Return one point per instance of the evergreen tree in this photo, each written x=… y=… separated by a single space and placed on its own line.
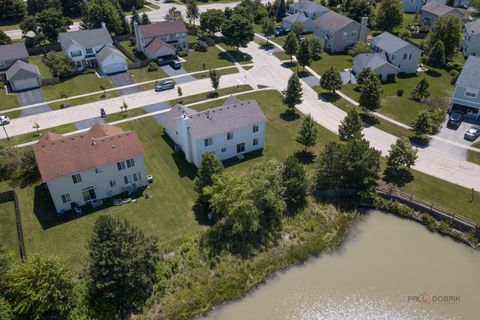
x=135 y=17
x=389 y=15
x=295 y=182
x=145 y=19
x=370 y=93
x=401 y=154
x=436 y=56
x=268 y=27
x=281 y=11
x=192 y=10
x=366 y=73
x=214 y=79
x=422 y=123
x=4 y=39
x=304 y=55
x=351 y=126
x=420 y=92
x=331 y=80
x=293 y=94
x=209 y=166
x=290 y=46
x=125 y=24
x=237 y=31
x=308 y=132
x=448 y=29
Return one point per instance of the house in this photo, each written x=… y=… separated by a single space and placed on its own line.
x=161 y=39
x=466 y=95
x=232 y=130
x=11 y=53
x=413 y=6
x=435 y=9
x=307 y=23
x=400 y=53
x=87 y=167
x=84 y=48
x=471 y=39
x=376 y=62
x=309 y=9
x=339 y=33
x=23 y=76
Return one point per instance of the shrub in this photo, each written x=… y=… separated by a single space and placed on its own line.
x=152 y=67
x=200 y=46
x=400 y=92
x=424 y=29
x=429 y=222
x=182 y=53
x=454 y=66
x=454 y=73
x=443 y=227
x=391 y=78
x=454 y=79
x=59 y=65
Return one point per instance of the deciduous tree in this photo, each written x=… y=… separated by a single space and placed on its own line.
x=436 y=56
x=290 y=46
x=12 y=9
x=389 y=15
x=331 y=80
x=401 y=154
x=358 y=9
x=297 y=28
x=145 y=19
x=192 y=11
x=295 y=183
x=268 y=27
x=351 y=126
x=304 y=55
x=211 y=21
x=316 y=47
x=238 y=31
x=449 y=30
x=308 y=132
x=4 y=39
x=51 y=22
x=422 y=123
x=209 y=166
x=293 y=94
x=173 y=14
x=370 y=93
x=215 y=79
x=420 y=91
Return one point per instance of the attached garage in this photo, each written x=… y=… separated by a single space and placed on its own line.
x=23 y=76
x=110 y=60
x=157 y=48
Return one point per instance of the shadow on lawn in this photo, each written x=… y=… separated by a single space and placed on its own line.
x=234 y=56
x=289 y=115
x=305 y=156
x=328 y=96
x=399 y=177
x=185 y=169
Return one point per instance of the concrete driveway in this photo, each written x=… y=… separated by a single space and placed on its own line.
x=157 y=107
x=172 y=72
x=456 y=135
x=31 y=97
x=124 y=79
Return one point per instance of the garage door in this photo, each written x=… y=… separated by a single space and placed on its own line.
x=25 y=84
x=115 y=67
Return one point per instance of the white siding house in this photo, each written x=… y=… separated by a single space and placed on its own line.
x=467 y=88
x=161 y=39
x=471 y=39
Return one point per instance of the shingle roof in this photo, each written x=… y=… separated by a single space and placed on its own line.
x=309 y=6
x=106 y=52
x=469 y=77
x=370 y=60
x=390 y=43
x=473 y=27
x=86 y=38
x=162 y=28
x=156 y=44
x=21 y=70
x=296 y=17
x=13 y=51
x=439 y=9
x=168 y=119
x=333 y=21
x=58 y=156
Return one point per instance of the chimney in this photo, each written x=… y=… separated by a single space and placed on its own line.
x=104 y=26
x=93 y=141
x=362 y=35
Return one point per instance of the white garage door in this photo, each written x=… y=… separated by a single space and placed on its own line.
x=25 y=84
x=115 y=67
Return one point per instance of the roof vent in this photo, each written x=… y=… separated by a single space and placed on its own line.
x=93 y=141
x=113 y=146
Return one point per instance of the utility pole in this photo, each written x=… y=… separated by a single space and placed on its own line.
x=3 y=125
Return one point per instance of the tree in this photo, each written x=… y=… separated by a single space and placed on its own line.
x=5 y=309
x=295 y=183
x=401 y=154
x=250 y=10
x=51 y=22
x=36 y=6
x=121 y=267
x=297 y=28
x=209 y=166
x=316 y=47
x=42 y=287
x=422 y=123
x=449 y=30
x=359 y=47
x=36 y=126
x=331 y=80
x=268 y=27
x=125 y=24
x=125 y=106
x=179 y=91
x=98 y=11
x=27 y=170
x=308 y=132
x=293 y=94
x=134 y=18
x=211 y=21
x=290 y=46
x=4 y=39
x=145 y=19
x=72 y=7
x=370 y=93
x=281 y=11
x=59 y=65
x=238 y=31
x=358 y=9
x=389 y=15
x=420 y=91
x=304 y=55
x=173 y=14
x=366 y=73
x=351 y=126
x=192 y=10
x=12 y=9
x=214 y=79
x=436 y=56
x=9 y=162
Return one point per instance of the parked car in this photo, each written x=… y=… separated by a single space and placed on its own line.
x=472 y=134
x=455 y=120
x=4 y=120
x=281 y=31
x=175 y=64
x=165 y=85
x=163 y=61
x=103 y=114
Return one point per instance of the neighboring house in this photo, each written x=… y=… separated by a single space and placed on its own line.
x=471 y=39
x=84 y=48
x=467 y=87
x=434 y=9
x=23 y=76
x=161 y=39
x=376 y=62
x=400 y=53
x=413 y=6
x=339 y=33
x=309 y=9
x=235 y=128
x=88 y=167
x=11 y=53
x=307 y=23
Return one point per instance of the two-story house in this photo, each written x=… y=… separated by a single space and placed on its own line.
x=339 y=33
x=471 y=39
x=467 y=88
x=161 y=39
x=413 y=6
x=15 y=68
x=310 y=9
x=88 y=167
x=232 y=130
x=92 y=48
x=434 y=9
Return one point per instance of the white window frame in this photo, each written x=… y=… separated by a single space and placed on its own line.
x=354 y=34
x=98 y=170
x=130 y=163
x=76 y=178
x=256 y=141
x=66 y=198
x=255 y=128
x=207 y=142
x=471 y=93
x=77 y=53
x=89 y=51
x=121 y=165
x=230 y=135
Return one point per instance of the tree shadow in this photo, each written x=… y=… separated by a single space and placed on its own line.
x=234 y=56
x=420 y=141
x=212 y=95
x=399 y=177
x=185 y=169
x=369 y=119
x=303 y=74
x=201 y=214
x=266 y=46
x=305 y=156
x=288 y=65
x=246 y=156
x=289 y=115
x=328 y=96
x=433 y=73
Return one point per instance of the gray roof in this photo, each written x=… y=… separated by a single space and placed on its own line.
x=308 y=6
x=296 y=17
x=473 y=27
x=21 y=70
x=86 y=38
x=168 y=119
x=371 y=60
x=469 y=77
x=106 y=52
x=439 y=9
x=13 y=52
x=390 y=43
x=333 y=21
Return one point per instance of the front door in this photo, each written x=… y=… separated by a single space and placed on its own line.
x=89 y=194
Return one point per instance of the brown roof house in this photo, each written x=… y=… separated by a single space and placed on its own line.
x=161 y=39
x=87 y=167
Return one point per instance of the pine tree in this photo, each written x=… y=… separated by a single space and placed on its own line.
x=293 y=94
x=370 y=93
x=145 y=19
x=281 y=11
x=304 y=55
x=420 y=91
x=436 y=57
x=209 y=166
x=290 y=46
x=308 y=132
x=351 y=126
x=331 y=80
x=422 y=124
x=295 y=182
x=134 y=18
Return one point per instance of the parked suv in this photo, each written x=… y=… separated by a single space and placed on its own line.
x=175 y=64
x=472 y=134
x=455 y=120
x=165 y=85
x=4 y=120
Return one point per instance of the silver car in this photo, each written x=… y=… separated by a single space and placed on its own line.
x=4 y=120
x=472 y=134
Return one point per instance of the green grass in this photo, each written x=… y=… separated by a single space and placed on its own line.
x=32 y=136
x=234 y=55
x=9 y=101
x=8 y=227
x=281 y=55
x=473 y=156
x=213 y=58
x=11 y=24
x=142 y=75
x=209 y=95
x=222 y=72
x=280 y=40
x=83 y=83
x=87 y=99
x=44 y=71
x=340 y=61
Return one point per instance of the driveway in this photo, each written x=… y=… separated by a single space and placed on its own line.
x=32 y=97
x=124 y=79
x=88 y=123
x=172 y=72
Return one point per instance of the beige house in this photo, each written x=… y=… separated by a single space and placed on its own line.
x=161 y=39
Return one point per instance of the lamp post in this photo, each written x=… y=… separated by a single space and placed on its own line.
x=3 y=125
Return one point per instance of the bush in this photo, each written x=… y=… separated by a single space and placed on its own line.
x=400 y=92
x=443 y=227
x=429 y=222
x=424 y=29
x=391 y=78
x=152 y=67
x=392 y=206
x=200 y=46
x=454 y=79
x=454 y=66
x=182 y=53
x=454 y=73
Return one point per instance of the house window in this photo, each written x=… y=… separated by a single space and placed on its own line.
x=229 y=135
x=345 y=35
x=410 y=56
x=240 y=147
x=224 y=149
x=394 y=56
x=121 y=165
x=89 y=50
x=354 y=34
x=469 y=92
x=98 y=170
x=89 y=194
x=113 y=183
x=77 y=53
x=255 y=141
x=137 y=176
x=405 y=56
x=255 y=128
x=2 y=64
x=208 y=142
x=77 y=178
x=127 y=179
x=66 y=198
x=130 y=163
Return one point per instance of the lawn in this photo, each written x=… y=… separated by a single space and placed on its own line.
x=87 y=99
x=473 y=156
x=8 y=101
x=128 y=45
x=32 y=136
x=213 y=58
x=11 y=24
x=339 y=61
x=209 y=95
x=8 y=225
x=222 y=72
x=280 y=40
x=142 y=75
x=44 y=71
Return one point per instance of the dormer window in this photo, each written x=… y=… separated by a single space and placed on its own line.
x=89 y=50
x=470 y=92
x=77 y=53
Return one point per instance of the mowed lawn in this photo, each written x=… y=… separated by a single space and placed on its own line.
x=8 y=101
x=8 y=226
